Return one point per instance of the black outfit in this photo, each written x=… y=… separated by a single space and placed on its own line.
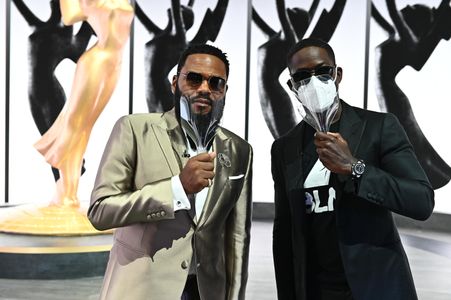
x=191 y=291
x=374 y=262
x=326 y=278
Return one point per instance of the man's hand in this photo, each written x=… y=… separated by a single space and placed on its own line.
x=198 y=172
x=334 y=153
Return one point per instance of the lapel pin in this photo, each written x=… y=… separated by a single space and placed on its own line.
x=224 y=160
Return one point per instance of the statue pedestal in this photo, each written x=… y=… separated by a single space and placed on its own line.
x=50 y=243
x=46 y=220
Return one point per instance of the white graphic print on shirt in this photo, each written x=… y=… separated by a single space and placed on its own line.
x=319 y=196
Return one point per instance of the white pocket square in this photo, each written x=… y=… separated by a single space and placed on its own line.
x=236 y=177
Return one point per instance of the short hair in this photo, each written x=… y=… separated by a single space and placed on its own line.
x=203 y=49
x=310 y=42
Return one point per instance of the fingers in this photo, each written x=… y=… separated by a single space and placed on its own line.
x=333 y=151
x=207 y=166
x=336 y=137
x=327 y=139
x=212 y=155
x=198 y=173
x=323 y=139
x=205 y=156
x=202 y=161
x=204 y=174
x=201 y=170
x=329 y=136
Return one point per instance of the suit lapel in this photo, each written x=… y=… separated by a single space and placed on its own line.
x=169 y=137
x=174 y=140
x=177 y=142
x=221 y=144
x=351 y=127
x=178 y=145
x=294 y=157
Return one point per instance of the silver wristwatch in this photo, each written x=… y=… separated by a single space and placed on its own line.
x=357 y=168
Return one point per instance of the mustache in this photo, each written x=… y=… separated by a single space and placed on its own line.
x=202 y=99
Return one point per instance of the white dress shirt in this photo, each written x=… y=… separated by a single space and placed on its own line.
x=181 y=200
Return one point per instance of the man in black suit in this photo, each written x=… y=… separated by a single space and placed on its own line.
x=334 y=235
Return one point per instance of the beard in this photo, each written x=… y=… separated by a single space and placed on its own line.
x=205 y=122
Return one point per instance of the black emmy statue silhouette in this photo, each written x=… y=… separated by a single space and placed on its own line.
x=163 y=50
x=50 y=43
x=415 y=33
x=276 y=104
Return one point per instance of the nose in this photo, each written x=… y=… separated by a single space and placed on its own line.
x=204 y=87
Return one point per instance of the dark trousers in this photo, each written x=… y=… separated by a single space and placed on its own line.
x=191 y=292
x=330 y=295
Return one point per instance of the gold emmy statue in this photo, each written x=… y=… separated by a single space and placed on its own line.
x=64 y=144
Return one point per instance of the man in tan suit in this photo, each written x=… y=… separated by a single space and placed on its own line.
x=183 y=219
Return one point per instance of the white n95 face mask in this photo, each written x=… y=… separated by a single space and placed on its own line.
x=201 y=126
x=319 y=98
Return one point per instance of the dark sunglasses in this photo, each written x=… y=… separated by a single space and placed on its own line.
x=215 y=83
x=327 y=72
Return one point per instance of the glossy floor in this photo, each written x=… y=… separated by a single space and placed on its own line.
x=429 y=254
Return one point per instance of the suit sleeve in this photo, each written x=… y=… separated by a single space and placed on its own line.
x=282 y=243
x=115 y=201
x=238 y=237
x=399 y=183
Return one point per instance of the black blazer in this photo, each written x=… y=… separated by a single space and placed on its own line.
x=374 y=260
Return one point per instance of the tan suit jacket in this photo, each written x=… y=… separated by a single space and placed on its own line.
x=153 y=246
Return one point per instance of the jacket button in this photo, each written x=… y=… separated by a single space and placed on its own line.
x=153 y=215
x=163 y=213
x=148 y=217
x=184 y=265
x=158 y=214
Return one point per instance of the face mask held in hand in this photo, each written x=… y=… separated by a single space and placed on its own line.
x=319 y=98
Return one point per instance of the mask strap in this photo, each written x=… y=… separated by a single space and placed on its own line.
x=336 y=74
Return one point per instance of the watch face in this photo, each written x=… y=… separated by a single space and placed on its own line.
x=359 y=168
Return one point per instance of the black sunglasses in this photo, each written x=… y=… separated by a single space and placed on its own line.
x=327 y=72
x=215 y=83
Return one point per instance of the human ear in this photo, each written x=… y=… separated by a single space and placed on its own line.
x=174 y=83
x=339 y=75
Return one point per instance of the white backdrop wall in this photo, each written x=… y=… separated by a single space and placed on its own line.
x=30 y=178
x=428 y=91
x=26 y=167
